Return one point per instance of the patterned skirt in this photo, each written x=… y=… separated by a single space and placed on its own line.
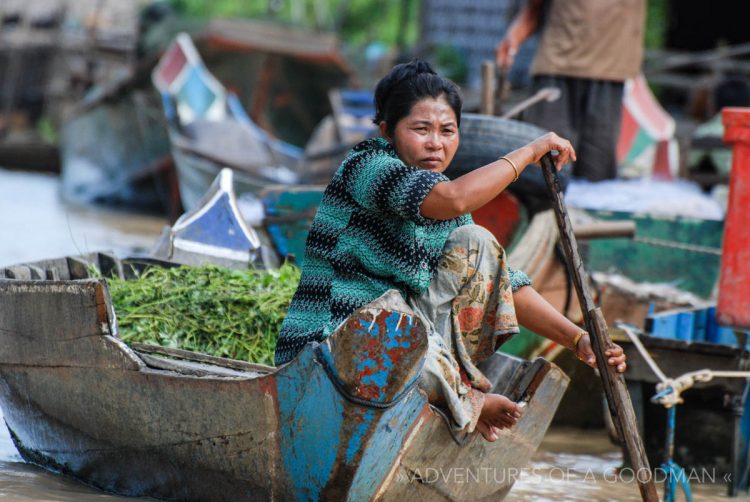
x=468 y=312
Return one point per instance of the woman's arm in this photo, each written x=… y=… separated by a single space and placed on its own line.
x=473 y=190
x=536 y=314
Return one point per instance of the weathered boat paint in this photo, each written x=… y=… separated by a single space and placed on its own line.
x=733 y=307
x=683 y=243
x=324 y=457
x=308 y=446
x=325 y=426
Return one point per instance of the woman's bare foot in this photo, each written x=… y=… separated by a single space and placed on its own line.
x=498 y=412
x=487 y=431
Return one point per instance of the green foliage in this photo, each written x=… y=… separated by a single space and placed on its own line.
x=46 y=129
x=358 y=22
x=220 y=8
x=451 y=63
x=656 y=23
x=209 y=309
x=367 y=20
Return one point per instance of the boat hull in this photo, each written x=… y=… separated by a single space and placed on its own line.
x=117 y=153
x=196 y=174
x=77 y=400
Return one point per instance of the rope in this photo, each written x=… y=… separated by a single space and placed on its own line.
x=669 y=389
x=642 y=350
x=678 y=245
x=320 y=359
x=668 y=395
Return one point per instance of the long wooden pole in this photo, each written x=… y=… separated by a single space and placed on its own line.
x=615 y=389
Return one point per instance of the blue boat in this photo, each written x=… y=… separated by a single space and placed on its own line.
x=209 y=129
x=343 y=421
x=214 y=231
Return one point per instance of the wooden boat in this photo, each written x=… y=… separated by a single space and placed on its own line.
x=215 y=231
x=209 y=130
x=114 y=148
x=177 y=425
x=281 y=73
x=209 y=127
x=665 y=250
x=712 y=432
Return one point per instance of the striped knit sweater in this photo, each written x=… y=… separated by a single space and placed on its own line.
x=366 y=238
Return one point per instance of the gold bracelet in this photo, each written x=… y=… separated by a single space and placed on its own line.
x=577 y=339
x=513 y=165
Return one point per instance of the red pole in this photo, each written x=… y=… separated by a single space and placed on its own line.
x=733 y=307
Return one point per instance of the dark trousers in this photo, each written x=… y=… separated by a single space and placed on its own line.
x=588 y=114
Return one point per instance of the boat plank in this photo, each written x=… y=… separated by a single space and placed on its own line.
x=435 y=467
x=61 y=324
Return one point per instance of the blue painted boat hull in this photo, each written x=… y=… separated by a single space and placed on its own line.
x=183 y=426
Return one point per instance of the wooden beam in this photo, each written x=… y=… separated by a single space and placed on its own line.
x=487 y=103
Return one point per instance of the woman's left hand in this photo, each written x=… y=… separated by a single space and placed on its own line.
x=615 y=355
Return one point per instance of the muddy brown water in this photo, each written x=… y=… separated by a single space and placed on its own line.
x=571 y=465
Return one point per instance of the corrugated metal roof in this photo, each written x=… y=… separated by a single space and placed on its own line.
x=474 y=27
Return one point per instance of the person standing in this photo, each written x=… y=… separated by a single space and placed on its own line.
x=587 y=49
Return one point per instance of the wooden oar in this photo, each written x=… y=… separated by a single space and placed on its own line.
x=615 y=389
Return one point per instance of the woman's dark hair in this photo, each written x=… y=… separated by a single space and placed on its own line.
x=405 y=85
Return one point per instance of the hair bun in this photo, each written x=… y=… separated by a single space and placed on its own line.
x=421 y=66
x=404 y=85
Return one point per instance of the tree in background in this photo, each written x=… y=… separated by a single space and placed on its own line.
x=358 y=22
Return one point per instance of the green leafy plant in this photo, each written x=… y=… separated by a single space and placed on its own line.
x=209 y=309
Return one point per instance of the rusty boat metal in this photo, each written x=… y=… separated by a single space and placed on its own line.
x=343 y=421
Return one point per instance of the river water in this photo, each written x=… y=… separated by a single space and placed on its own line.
x=571 y=465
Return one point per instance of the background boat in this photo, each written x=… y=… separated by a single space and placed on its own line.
x=129 y=164
x=209 y=128
x=712 y=426
x=114 y=148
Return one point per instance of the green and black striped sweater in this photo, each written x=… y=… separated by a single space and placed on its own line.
x=366 y=238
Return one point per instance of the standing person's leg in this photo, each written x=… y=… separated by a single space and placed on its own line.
x=599 y=130
x=557 y=116
x=468 y=311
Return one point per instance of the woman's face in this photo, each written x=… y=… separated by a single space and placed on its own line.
x=428 y=136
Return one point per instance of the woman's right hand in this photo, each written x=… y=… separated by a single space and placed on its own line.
x=551 y=142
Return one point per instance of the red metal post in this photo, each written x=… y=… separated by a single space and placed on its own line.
x=733 y=308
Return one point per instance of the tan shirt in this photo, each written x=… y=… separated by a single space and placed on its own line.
x=597 y=39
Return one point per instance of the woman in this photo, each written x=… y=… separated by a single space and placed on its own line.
x=390 y=219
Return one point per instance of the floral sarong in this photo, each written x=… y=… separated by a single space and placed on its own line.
x=468 y=312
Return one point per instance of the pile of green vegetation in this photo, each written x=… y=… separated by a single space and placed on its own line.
x=208 y=309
